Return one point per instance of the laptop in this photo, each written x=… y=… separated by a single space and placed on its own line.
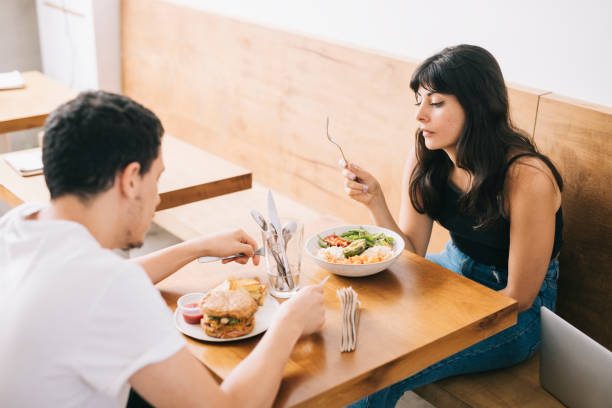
x=573 y=367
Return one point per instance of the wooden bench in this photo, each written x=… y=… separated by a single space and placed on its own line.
x=259 y=97
x=492 y=389
x=228 y=212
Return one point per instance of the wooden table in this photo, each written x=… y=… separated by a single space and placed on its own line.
x=28 y=107
x=414 y=314
x=191 y=175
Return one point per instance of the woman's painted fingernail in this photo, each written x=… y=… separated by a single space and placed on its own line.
x=364 y=188
x=351 y=176
x=347 y=190
x=342 y=163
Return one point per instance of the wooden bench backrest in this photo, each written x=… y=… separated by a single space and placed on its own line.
x=259 y=97
x=578 y=138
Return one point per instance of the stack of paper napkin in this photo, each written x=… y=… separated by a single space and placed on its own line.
x=350 y=318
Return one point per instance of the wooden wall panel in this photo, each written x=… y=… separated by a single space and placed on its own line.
x=524 y=106
x=578 y=138
x=259 y=97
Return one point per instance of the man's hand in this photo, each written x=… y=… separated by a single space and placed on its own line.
x=163 y=263
x=226 y=244
x=305 y=309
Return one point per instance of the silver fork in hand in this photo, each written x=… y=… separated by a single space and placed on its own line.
x=346 y=163
x=334 y=142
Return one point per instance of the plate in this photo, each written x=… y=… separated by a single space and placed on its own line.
x=312 y=247
x=263 y=318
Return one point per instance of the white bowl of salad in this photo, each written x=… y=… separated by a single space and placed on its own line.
x=355 y=250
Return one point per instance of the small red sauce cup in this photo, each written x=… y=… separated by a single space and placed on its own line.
x=189 y=307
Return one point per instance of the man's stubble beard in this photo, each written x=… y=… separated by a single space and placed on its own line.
x=133 y=245
x=130 y=242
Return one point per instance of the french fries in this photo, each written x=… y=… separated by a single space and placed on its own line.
x=252 y=286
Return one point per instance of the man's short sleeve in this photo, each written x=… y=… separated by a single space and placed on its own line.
x=128 y=327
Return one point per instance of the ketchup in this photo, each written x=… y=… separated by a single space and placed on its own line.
x=192 y=313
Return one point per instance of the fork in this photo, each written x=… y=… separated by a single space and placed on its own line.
x=334 y=142
x=206 y=259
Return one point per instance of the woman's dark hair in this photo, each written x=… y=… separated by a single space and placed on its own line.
x=472 y=75
x=91 y=138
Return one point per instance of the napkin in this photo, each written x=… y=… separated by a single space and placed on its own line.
x=26 y=163
x=350 y=318
x=11 y=80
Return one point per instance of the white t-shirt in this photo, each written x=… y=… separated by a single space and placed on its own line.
x=76 y=320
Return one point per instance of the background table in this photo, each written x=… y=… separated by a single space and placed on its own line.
x=414 y=314
x=28 y=107
x=191 y=175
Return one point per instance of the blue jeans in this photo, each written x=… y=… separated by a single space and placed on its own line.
x=504 y=349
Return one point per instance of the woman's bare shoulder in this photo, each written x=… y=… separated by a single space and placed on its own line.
x=529 y=177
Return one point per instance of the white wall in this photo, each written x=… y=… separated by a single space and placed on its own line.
x=20 y=50
x=19 y=47
x=80 y=44
x=67 y=42
x=560 y=46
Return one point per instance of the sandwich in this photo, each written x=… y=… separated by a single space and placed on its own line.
x=251 y=285
x=227 y=313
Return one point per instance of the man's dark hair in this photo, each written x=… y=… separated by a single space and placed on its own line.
x=91 y=138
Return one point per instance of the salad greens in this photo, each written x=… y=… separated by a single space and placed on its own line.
x=355 y=241
x=371 y=239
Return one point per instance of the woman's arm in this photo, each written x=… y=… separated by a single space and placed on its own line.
x=165 y=262
x=413 y=227
x=413 y=224
x=533 y=199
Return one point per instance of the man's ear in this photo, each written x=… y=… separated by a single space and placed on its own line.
x=129 y=180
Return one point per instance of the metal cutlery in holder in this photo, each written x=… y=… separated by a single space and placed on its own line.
x=282 y=250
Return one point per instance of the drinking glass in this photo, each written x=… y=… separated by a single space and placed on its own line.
x=280 y=285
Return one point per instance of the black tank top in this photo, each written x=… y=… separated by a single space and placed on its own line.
x=491 y=245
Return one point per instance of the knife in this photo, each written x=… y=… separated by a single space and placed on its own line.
x=273 y=214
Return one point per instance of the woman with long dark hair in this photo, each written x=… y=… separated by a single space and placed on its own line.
x=484 y=180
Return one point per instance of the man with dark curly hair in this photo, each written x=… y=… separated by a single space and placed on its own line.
x=80 y=325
